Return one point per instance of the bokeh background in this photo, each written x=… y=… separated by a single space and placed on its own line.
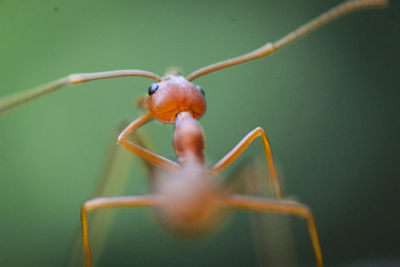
x=329 y=104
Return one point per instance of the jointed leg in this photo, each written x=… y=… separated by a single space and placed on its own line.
x=140 y=151
x=273 y=246
x=282 y=207
x=109 y=202
x=116 y=169
x=241 y=146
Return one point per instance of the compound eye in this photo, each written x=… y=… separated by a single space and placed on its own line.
x=201 y=90
x=153 y=88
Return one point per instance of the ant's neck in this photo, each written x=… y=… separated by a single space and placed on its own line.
x=188 y=139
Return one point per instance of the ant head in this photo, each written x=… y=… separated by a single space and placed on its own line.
x=173 y=95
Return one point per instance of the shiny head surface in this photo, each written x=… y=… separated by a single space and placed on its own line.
x=173 y=95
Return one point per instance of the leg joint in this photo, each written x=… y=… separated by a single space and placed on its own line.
x=260 y=131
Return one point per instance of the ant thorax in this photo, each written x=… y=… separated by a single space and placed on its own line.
x=188 y=140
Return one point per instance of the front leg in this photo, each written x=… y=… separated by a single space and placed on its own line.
x=232 y=155
x=142 y=152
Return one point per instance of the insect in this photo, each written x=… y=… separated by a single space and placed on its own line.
x=188 y=142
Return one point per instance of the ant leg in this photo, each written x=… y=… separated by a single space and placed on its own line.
x=9 y=102
x=109 y=202
x=140 y=151
x=117 y=166
x=241 y=146
x=281 y=207
x=118 y=163
x=273 y=246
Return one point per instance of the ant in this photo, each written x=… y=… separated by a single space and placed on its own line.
x=187 y=196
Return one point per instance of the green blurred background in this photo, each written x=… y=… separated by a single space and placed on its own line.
x=329 y=104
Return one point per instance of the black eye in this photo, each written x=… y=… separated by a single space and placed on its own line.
x=201 y=90
x=153 y=88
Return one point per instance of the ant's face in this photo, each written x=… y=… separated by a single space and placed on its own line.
x=174 y=95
